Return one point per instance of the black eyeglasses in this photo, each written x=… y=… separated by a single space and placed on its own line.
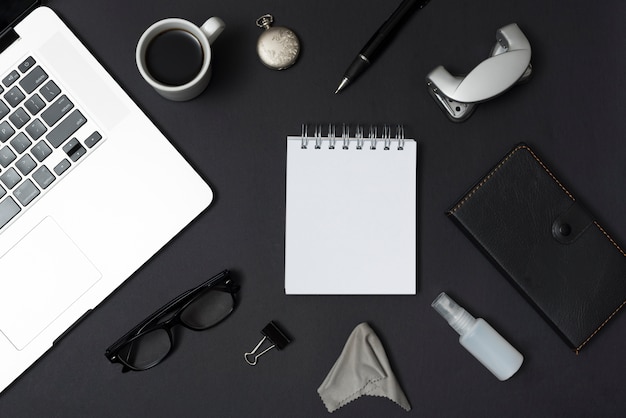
x=200 y=308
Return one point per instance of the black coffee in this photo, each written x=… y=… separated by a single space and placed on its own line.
x=174 y=57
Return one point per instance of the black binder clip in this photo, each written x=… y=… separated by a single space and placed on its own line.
x=276 y=338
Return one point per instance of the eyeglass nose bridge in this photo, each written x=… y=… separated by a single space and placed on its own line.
x=276 y=338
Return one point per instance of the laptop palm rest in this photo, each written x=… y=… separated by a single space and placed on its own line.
x=34 y=294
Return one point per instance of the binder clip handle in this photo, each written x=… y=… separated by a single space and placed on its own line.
x=276 y=338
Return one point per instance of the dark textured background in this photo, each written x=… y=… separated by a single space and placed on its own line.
x=571 y=112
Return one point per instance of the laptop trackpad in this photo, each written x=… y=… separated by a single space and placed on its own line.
x=40 y=277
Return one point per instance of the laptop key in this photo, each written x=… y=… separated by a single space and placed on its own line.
x=6 y=131
x=67 y=127
x=26 y=65
x=74 y=149
x=14 y=96
x=36 y=129
x=10 y=178
x=26 y=192
x=2 y=191
x=20 y=143
x=43 y=177
x=50 y=91
x=34 y=104
x=4 y=109
x=19 y=118
x=41 y=150
x=7 y=156
x=57 y=110
x=11 y=78
x=8 y=209
x=33 y=79
x=26 y=164
x=93 y=139
x=62 y=167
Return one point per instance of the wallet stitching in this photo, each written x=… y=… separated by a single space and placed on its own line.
x=600 y=327
x=504 y=161
x=606 y=234
x=491 y=174
x=620 y=306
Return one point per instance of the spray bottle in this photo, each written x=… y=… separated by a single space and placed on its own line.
x=480 y=339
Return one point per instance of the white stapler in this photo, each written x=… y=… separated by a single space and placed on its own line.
x=507 y=65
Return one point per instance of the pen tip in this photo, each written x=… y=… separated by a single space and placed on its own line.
x=343 y=84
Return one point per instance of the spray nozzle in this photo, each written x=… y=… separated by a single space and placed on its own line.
x=457 y=317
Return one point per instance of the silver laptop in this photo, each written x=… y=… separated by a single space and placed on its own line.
x=89 y=188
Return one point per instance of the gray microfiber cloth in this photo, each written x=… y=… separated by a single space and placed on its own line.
x=361 y=369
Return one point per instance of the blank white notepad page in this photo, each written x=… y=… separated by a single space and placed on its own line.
x=351 y=218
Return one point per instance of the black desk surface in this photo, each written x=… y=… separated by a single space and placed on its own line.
x=572 y=113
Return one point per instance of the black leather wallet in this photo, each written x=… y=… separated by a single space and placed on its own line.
x=547 y=244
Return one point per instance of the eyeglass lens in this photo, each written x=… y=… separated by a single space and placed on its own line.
x=206 y=310
x=147 y=350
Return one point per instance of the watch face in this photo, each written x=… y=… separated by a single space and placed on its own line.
x=278 y=48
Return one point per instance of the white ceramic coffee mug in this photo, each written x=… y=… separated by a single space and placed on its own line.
x=205 y=35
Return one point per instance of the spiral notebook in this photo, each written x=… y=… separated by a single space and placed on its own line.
x=351 y=218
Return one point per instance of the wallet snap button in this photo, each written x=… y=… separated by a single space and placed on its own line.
x=565 y=229
x=571 y=224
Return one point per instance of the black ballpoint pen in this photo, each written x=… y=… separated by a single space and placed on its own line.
x=377 y=41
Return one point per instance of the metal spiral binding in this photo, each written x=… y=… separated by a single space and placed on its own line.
x=305 y=136
x=400 y=137
x=318 y=136
x=359 y=138
x=373 y=136
x=331 y=136
x=345 y=135
x=387 y=137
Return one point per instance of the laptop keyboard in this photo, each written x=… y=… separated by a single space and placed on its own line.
x=37 y=146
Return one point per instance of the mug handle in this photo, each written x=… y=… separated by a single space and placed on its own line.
x=212 y=28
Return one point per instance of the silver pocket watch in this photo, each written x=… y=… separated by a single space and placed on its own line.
x=278 y=47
